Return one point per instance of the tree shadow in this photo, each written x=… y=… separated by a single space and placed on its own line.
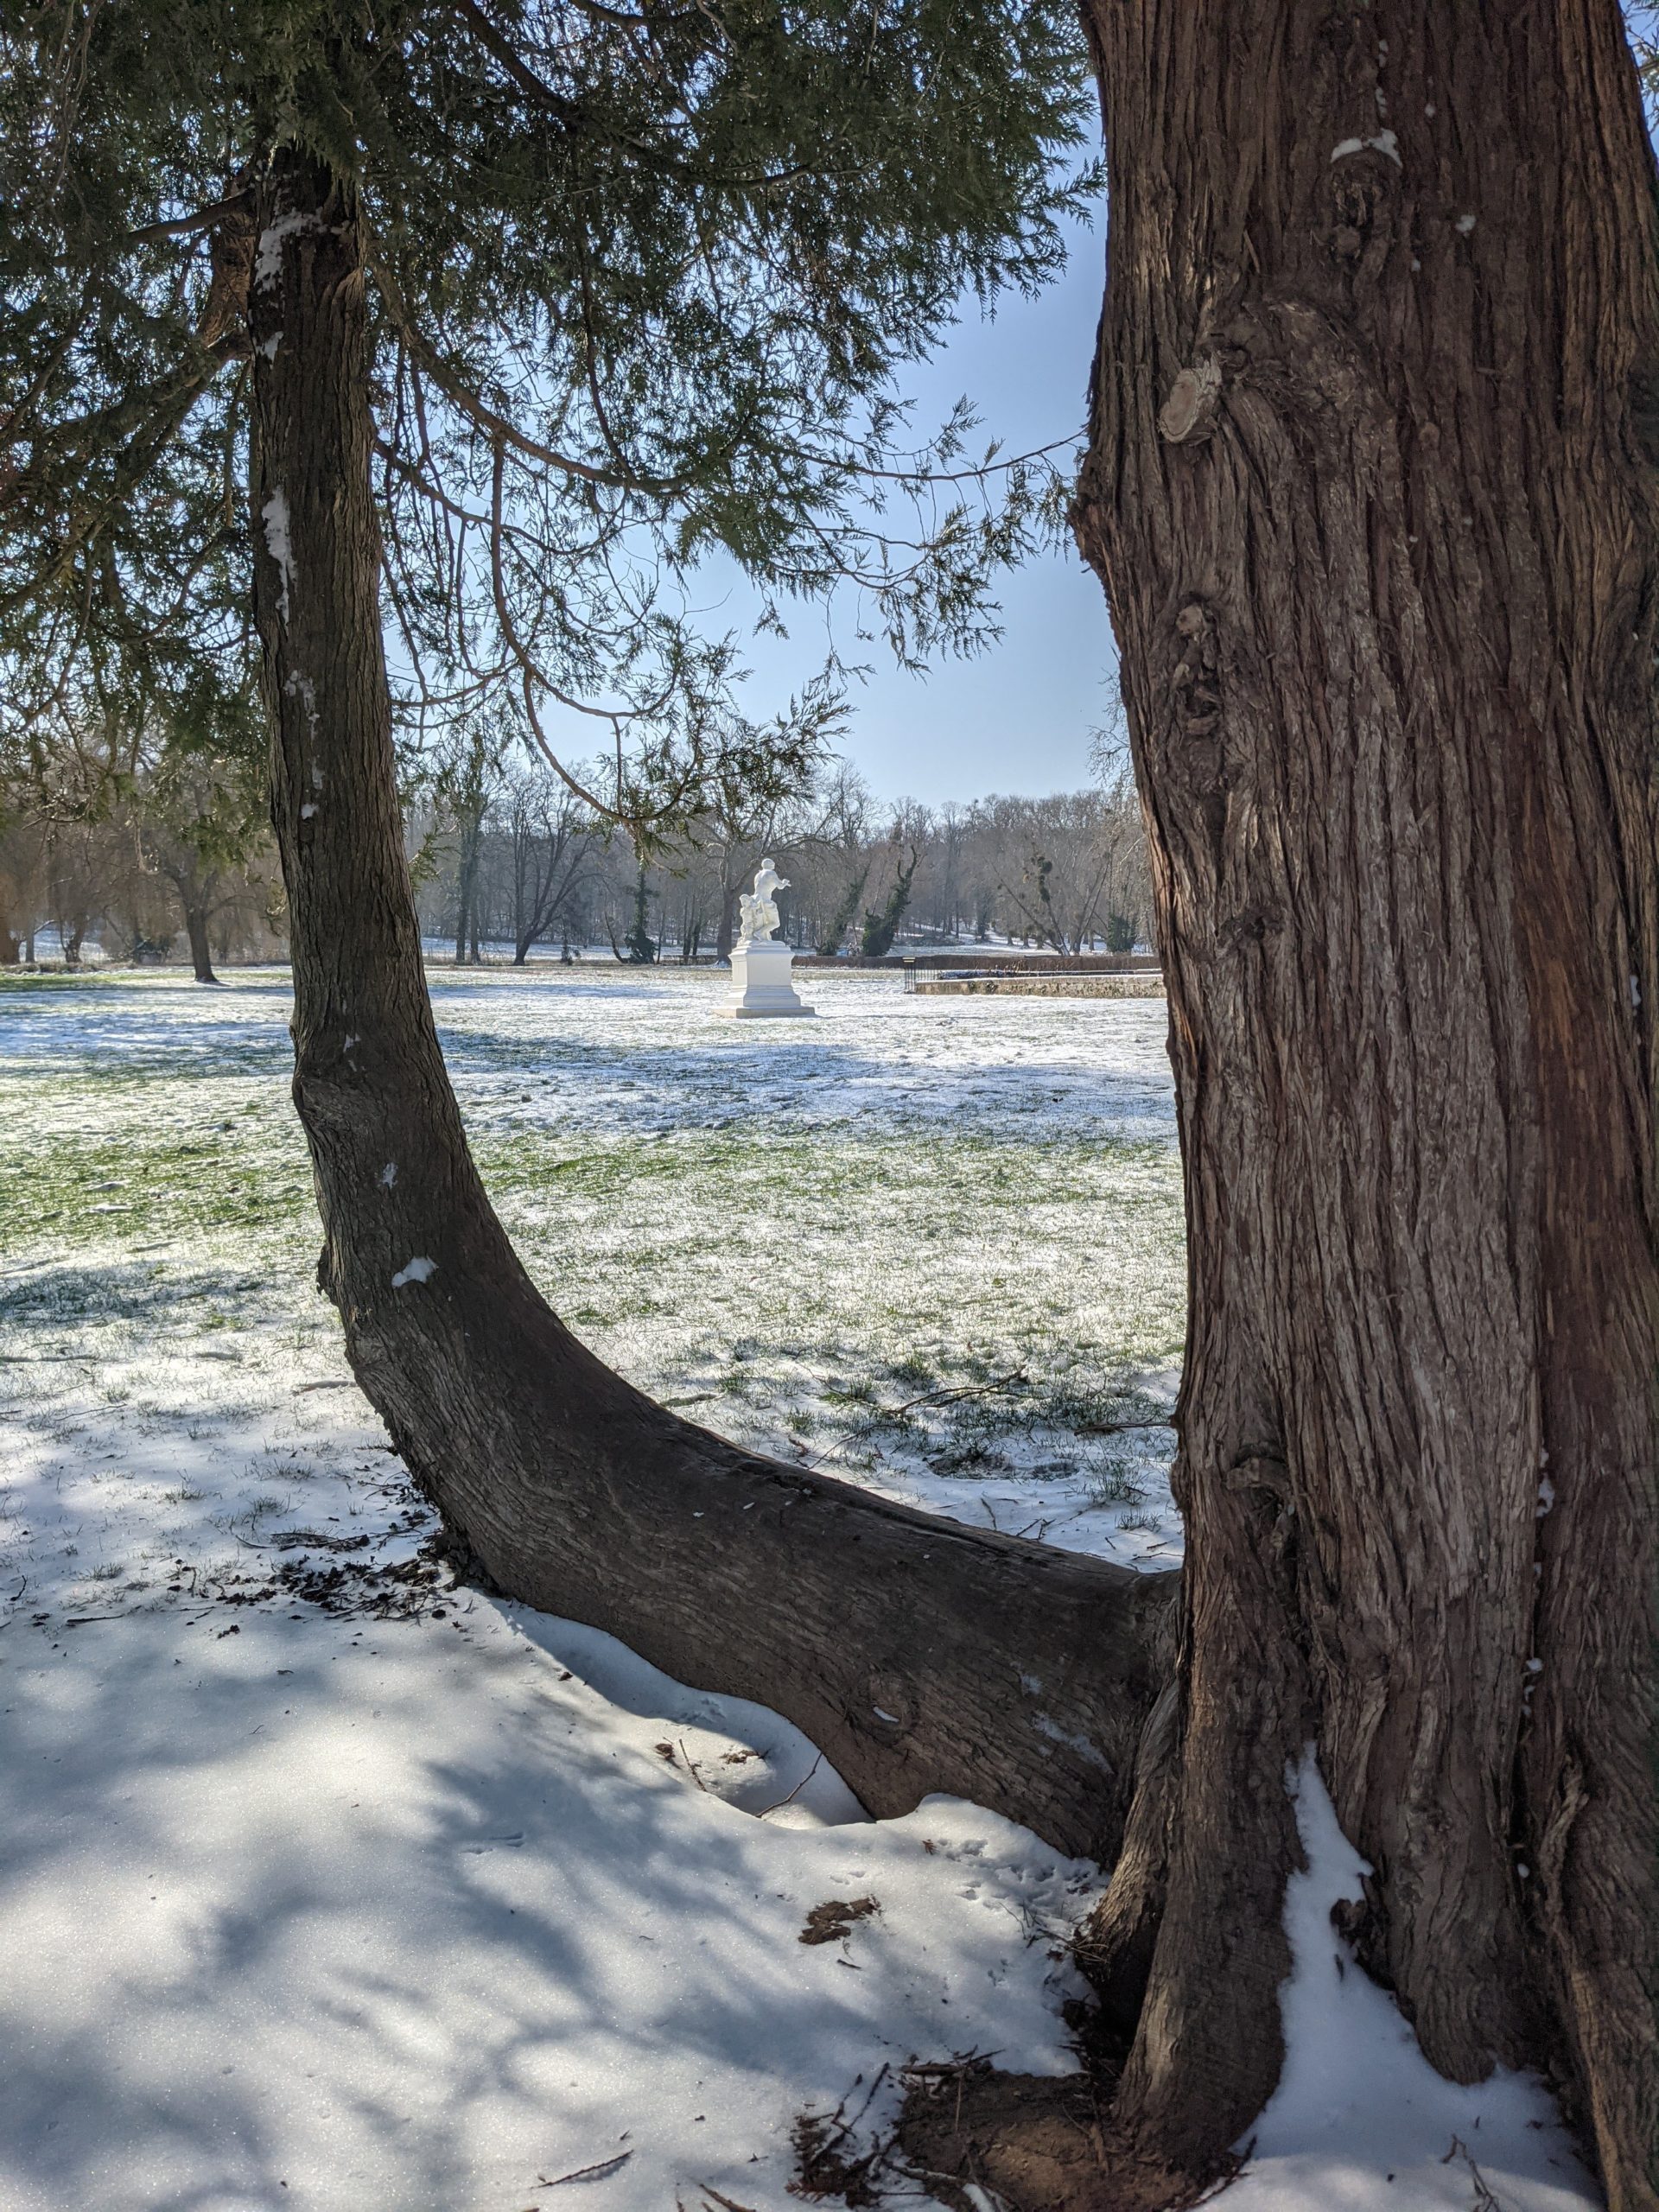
x=408 y=1926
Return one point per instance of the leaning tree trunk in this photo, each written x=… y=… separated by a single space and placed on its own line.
x=1371 y=488
x=919 y=1654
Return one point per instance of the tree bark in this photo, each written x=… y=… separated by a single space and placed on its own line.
x=726 y=928
x=195 y=926
x=919 y=1654
x=1371 y=488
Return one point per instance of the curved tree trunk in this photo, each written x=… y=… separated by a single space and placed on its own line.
x=920 y=1656
x=1372 y=492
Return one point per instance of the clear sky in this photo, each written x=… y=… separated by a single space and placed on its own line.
x=1018 y=716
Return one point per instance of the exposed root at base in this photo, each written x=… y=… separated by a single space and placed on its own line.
x=984 y=2141
x=1034 y=2142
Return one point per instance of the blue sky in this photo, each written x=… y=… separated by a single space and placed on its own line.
x=1018 y=716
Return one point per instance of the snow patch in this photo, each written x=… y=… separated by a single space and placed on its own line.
x=1385 y=141
x=275 y=516
x=302 y=689
x=1085 y=1750
x=1360 y=2119
x=268 y=256
x=420 y=1269
x=388 y=1174
x=788 y=1782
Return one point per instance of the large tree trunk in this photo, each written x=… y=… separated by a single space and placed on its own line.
x=919 y=1654
x=1372 y=491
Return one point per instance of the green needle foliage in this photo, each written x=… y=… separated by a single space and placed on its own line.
x=643 y=276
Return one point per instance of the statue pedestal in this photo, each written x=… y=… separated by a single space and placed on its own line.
x=760 y=984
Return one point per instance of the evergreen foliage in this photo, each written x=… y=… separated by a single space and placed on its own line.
x=642 y=277
x=881 y=924
x=641 y=945
x=841 y=921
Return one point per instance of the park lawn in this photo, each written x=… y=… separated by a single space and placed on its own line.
x=954 y=1274
x=329 y=1885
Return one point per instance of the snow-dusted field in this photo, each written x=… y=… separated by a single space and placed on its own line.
x=324 y=1884
x=924 y=1242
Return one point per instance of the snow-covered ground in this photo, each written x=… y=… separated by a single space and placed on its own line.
x=964 y=1222
x=325 y=1884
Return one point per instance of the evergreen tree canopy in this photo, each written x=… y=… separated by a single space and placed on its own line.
x=642 y=279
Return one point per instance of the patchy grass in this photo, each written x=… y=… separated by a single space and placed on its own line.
x=932 y=1244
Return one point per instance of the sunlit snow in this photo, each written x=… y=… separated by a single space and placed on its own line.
x=325 y=1884
x=1358 y=2104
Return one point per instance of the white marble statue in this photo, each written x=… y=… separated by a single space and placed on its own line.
x=760 y=961
x=757 y=910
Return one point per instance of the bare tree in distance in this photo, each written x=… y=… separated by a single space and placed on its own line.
x=554 y=840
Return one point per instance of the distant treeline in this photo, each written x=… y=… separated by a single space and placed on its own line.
x=526 y=865
x=171 y=858
x=130 y=856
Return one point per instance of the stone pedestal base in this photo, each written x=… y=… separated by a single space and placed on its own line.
x=761 y=989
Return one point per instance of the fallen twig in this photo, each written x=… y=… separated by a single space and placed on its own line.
x=947 y=1394
x=880 y=1416
x=597 y=2171
x=824 y=2168
x=947 y=2070
x=829 y=2142
x=1486 y=2199
x=795 y=1792
x=691 y=1766
x=1120 y=1427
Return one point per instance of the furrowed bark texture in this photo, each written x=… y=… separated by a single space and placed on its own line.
x=1371 y=488
x=919 y=1654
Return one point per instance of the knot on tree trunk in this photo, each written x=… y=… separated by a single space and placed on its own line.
x=1189 y=412
x=230 y=249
